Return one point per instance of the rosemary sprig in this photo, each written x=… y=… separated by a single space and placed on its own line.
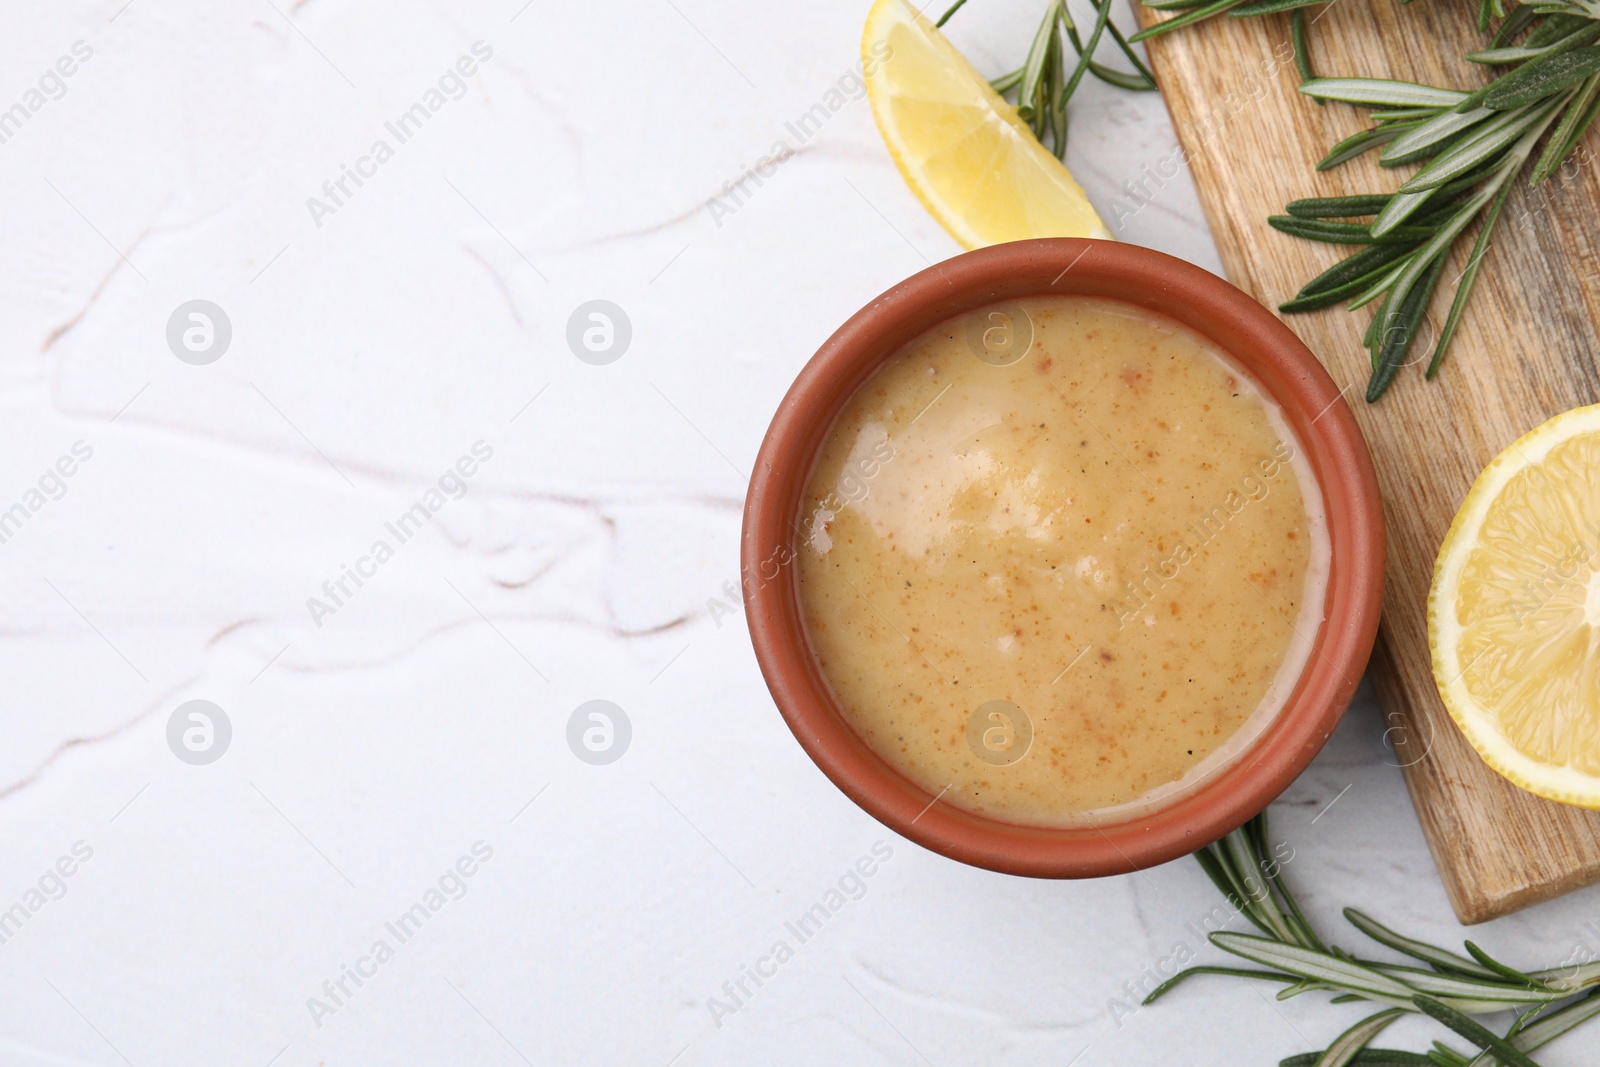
x=1550 y=52
x=1057 y=60
x=1451 y=988
x=1471 y=146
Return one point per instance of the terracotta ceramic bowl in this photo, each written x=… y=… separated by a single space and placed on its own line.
x=1257 y=341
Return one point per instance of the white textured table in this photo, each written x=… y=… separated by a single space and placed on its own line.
x=402 y=740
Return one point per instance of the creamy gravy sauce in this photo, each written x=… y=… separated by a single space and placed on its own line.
x=1060 y=560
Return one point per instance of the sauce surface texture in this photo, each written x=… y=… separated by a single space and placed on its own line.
x=1056 y=563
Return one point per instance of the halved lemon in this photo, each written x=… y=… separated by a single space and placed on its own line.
x=971 y=161
x=1514 y=612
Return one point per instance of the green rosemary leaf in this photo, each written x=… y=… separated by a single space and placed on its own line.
x=1524 y=1019
x=1367 y=1057
x=1480 y=1036
x=1563 y=29
x=1579 y=129
x=1380 y=288
x=1207 y=859
x=1352 y=1041
x=1505 y=972
x=1302 y=51
x=1141 y=81
x=1403 y=205
x=1574 y=122
x=1242 y=900
x=1007 y=82
x=1133 y=56
x=1253 y=8
x=1570 y=978
x=1423 y=141
x=1305 y=986
x=1501 y=56
x=1233 y=972
x=1346 y=233
x=1173 y=5
x=1441 y=209
x=1364 y=141
x=1541 y=78
x=1487 y=1058
x=1551 y=30
x=1222 y=878
x=1503 y=992
x=1381 y=92
x=1474 y=98
x=1033 y=68
x=1512 y=27
x=1120 y=78
x=1444 y=1056
x=1329 y=297
x=1192 y=15
x=1057 y=97
x=944 y=18
x=1479 y=146
x=1401 y=114
x=1245 y=867
x=1438 y=958
x=1308 y=963
x=1057 y=100
x=1037 y=106
x=1467 y=181
x=1254 y=833
x=1408 y=303
x=1338 y=207
x=1101 y=18
x=1543 y=1031
x=1357 y=265
x=1273 y=872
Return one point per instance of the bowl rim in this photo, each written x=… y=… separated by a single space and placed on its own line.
x=1256 y=340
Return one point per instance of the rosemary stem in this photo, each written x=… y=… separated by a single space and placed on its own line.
x=944 y=18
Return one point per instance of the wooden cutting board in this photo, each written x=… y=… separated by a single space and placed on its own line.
x=1528 y=348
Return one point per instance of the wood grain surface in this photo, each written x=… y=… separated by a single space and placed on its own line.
x=1528 y=348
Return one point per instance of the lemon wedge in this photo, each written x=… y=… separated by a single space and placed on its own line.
x=968 y=157
x=1514 y=612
